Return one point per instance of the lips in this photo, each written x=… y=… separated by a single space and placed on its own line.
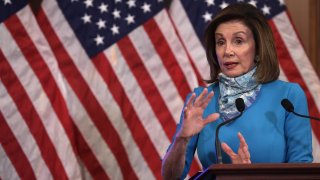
x=230 y=65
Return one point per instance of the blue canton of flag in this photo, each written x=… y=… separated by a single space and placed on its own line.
x=9 y=7
x=99 y=24
x=202 y=12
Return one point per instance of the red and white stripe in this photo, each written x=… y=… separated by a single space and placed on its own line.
x=107 y=150
x=125 y=89
x=189 y=38
x=7 y=170
x=26 y=77
x=68 y=116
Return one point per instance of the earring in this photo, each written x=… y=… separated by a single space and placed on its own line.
x=256 y=59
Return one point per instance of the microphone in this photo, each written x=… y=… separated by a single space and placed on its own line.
x=240 y=107
x=287 y=105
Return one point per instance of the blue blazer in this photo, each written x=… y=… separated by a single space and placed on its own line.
x=272 y=134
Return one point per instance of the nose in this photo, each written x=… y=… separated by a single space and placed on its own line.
x=229 y=50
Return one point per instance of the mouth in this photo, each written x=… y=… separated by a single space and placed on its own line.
x=230 y=65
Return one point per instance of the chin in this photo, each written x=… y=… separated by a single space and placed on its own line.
x=233 y=75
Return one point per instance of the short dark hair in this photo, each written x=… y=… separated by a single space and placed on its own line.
x=267 y=67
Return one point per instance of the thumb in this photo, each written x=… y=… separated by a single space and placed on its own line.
x=211 y=118
x=228 y=150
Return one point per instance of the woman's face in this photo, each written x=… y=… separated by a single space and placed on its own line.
x=235 y=48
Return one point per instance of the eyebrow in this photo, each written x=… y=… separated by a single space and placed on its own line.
x=238 y=32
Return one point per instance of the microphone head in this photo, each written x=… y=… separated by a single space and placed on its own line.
x=287 y=105
x=240 y=104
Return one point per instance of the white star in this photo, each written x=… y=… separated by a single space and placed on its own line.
x=115 y=29
x=99 y=40
x=223 y=5
x=266 y=9
x=101 y=24
x=118 y=1
x=130 y=19
x=103 y=8
x=7 y=2
x=210 y=2
x=240 y=0
x=74 y=0
x=207 y=16
x=88 y=3
x=253 y=2
x=116 y=13
x=146 y=8
x=131 y=3
x=281 y=2
x=160 y=0
x=86 y=18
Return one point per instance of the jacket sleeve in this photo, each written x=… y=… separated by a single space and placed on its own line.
x=297 y=129
x=192 y=144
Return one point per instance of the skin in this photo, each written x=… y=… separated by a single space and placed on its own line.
x=193 y=123
x=235 y=48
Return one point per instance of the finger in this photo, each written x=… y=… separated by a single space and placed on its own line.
x=244 y=155
x=243 y=148
x=207 y=99
x=190 y=100
x=185 y=111
x=228 y=151
x=245 y=152
x=243 y=142
x=211 y=118
x=200 y=98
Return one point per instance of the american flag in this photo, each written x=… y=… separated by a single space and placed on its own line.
x=93 y=89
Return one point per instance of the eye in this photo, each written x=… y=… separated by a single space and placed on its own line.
x=220 y=42
x=238 y=41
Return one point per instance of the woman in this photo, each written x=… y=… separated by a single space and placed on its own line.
x=243 y=64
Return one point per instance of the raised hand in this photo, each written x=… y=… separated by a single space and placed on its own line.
x=193 y=122
x=243 y=156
